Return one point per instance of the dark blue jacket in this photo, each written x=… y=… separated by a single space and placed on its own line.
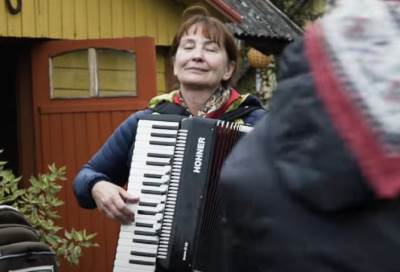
x=303 y=204
x=112 y=161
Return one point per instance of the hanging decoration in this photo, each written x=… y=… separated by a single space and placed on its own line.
x=257 y=59
x=265 y=79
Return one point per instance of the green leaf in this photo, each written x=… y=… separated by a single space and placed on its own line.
x=38 y=203
x=68 y=235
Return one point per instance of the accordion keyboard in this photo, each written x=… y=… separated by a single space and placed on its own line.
x=145 y=240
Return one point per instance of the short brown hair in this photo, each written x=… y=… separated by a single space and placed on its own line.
x=214 y=30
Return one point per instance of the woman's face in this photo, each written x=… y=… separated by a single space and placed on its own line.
x=199 y=63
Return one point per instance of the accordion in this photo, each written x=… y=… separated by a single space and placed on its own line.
x=175 y=169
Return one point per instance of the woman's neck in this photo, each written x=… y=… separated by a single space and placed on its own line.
x=195 y=99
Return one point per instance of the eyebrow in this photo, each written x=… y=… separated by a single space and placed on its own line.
x=206 y=42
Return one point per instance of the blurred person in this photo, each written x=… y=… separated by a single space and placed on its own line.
x=315 y=185
x=204 y=57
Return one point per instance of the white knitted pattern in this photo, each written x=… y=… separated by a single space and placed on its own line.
x=363 y=37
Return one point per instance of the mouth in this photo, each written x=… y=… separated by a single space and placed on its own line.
x=196 y=69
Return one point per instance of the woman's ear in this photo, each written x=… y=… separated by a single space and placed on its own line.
x=229 y=71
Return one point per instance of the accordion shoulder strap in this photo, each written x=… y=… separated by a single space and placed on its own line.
x=239 y=113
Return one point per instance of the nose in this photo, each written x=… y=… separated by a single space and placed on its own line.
x=197 y=54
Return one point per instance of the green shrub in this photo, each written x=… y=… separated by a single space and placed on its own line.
x=38 y=203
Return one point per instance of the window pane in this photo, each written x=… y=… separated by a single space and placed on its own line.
x=69 y=75
x=116 y=73
x=162 y=56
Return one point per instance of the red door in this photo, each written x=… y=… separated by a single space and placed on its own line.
x=69 y=128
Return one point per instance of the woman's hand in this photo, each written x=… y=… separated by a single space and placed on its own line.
x=113 y=200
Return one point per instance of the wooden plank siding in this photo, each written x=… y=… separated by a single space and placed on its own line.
x=93 y=19
x=85 y=131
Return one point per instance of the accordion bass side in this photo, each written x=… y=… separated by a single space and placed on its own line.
x=175 y=169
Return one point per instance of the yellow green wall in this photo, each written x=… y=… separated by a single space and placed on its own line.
x=98 y=19
x=92 y=19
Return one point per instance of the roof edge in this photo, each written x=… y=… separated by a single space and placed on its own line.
x=294 y=26
x=226 y=9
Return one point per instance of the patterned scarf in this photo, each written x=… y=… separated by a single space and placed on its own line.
x=354 y=54
x=219 y=98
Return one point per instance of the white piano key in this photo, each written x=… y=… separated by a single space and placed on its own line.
x=150 y=150
x=141 y=260
x=164 y=124
x=155 y=190
x=132 y=268
x=137 y=250
x=121 y=266
x=160 y=198
x=145 y=231
x=126 y=258
x=146 y=221
x=145 y=239
x=149 y=202
x=151 y=123
x=149 y=253
x=157 y=169
x=149 y=138
x=139 y=239
x=156 y=225
x=152 y=202
x=138 y=173
x=133 y=206
x=157 y=209
x=156 y=217
x=147 y=146
x=142 y=220
x=130 y=235
x=148 y=131
x=155 y=182
x=136 y=246
x=143 y=158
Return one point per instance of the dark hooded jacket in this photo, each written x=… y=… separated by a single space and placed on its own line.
x=113 y=160
x=296 y=198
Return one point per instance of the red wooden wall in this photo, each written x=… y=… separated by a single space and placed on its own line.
x=69 y=131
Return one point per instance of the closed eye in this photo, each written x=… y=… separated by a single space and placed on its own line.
x=187 y=44
x=188 y=47
x=212 y=47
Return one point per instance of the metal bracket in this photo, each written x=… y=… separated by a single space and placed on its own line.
x=14 y=6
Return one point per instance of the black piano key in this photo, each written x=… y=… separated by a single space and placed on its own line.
x=158 y=155
x=144 y=241
x=143 y=254
x=147 y=175
x=147 y=204
x=146 y=212
x=150 y=183
x=145 y=233
x=156 y=163
x=162 y=143
x=142 y=262
x=152 y=192
x=163 y=135
x=145 y=225
x=158 y=126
